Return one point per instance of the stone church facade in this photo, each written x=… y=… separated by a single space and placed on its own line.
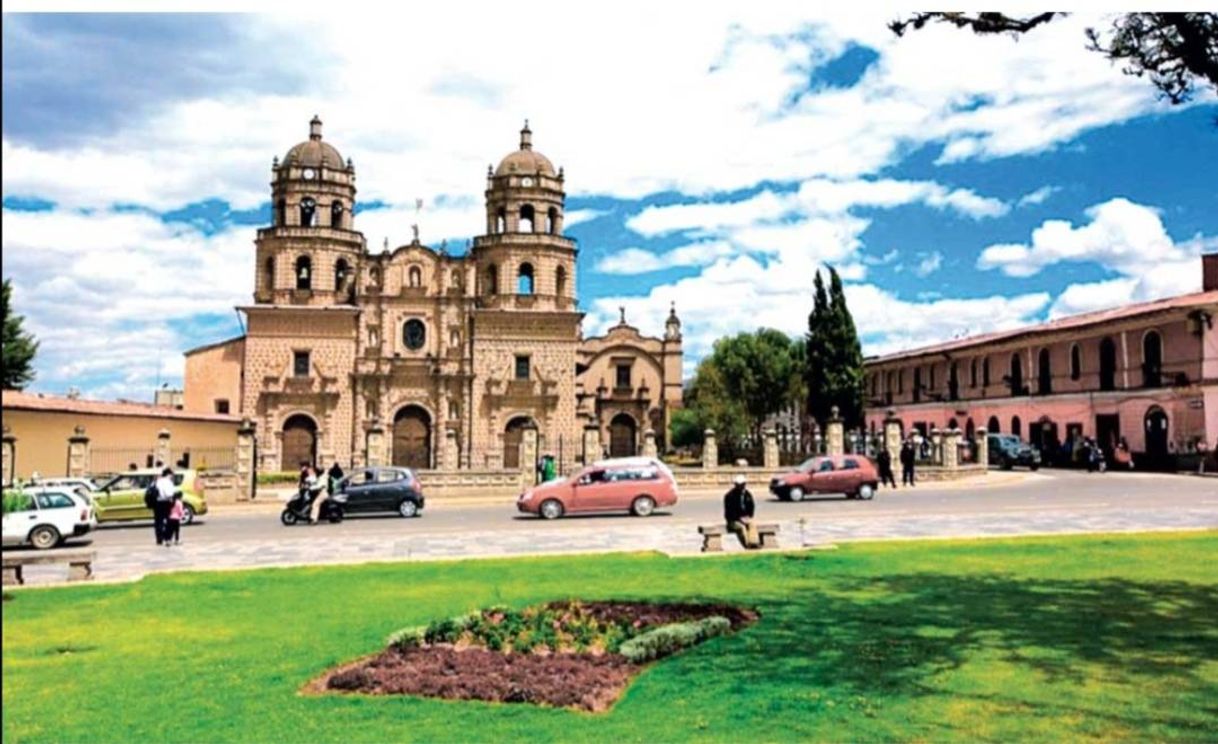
x=416 y=357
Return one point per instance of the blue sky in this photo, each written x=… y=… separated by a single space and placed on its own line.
x=960 y=185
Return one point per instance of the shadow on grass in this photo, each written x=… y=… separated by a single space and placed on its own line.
x=892 y=637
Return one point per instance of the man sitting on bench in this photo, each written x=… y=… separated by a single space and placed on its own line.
x=738 y=513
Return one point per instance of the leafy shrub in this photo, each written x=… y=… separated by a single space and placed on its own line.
x=669 y=639
x=278 y=478
x=15 y=501
x=408 y=637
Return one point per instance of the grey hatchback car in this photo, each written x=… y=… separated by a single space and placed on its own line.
x=382 y=489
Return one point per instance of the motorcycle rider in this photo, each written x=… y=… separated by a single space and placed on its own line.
x=314 y=488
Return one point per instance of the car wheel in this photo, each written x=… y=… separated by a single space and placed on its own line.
x=866 y=492
x=643 y=506
x=288 y=517
x=1034 y=467
x=550 y=509
x=408 y=508
x=335 y=516
x=1007 y=464
x=44 y=536
x=188 y=514
x=796 y=494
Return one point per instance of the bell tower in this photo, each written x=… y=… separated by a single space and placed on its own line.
x=524 y=261
x=311 y=252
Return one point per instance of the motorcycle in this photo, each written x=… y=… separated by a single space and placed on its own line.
x=299 y=508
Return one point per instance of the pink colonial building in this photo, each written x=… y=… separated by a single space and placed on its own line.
x=1145 y=373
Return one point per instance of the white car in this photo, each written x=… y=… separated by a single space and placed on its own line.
x=46 y=517
x=69 y=483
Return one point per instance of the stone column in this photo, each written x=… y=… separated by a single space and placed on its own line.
x=835 y=433
x=769 y=449
x=892 y=438
x=983 y=448
x=951 y=449
x=592 y=443
x=710 y=450
x=78 y=453
x=936 y=446
x=374 y=442
x=451 y=452
x=649 y=443
x=246 y=477
x=10 y=456
x=528 y=457
x=162 y=448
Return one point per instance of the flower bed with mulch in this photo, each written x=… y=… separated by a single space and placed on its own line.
x=566 y=654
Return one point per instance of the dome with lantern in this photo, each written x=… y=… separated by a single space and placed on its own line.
x=526 y=161
x=313 y=153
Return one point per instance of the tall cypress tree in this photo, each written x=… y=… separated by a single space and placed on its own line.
x=817 y=357
x=19 y=347
x=845 y=373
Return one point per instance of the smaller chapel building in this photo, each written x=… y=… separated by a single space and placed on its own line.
x=449 y=357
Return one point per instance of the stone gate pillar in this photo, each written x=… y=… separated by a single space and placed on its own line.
x=374 y=442
x=835 y=433
x=951 y=449
x=162 y=448
x=892 y=438
x=592 y=443
x=78 y=453
x=769 y=449
x=649 y=443
x=710 y=450
x=246 y=475
x=936 y=446
x=528 y=456
x=10 y=456
x=983 y=448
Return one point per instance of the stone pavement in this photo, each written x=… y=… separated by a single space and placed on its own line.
x=309 y=546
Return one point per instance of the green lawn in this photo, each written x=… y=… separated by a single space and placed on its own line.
x=1112 y=637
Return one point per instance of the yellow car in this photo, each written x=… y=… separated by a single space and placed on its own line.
x=122 y=498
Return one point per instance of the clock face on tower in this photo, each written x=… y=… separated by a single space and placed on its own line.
x=309 y=173
x=526 y=181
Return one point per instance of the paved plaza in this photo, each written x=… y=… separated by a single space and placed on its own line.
x=1000 y=505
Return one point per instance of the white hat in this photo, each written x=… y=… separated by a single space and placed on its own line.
x=739 y=479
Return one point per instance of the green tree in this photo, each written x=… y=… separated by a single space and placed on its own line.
x=19 y=346
x=1176 y=51
x=833 y=359
x=757 y=369
x=715 y=408
x=685 y=428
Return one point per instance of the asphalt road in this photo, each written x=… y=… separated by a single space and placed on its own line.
x=1022 y=494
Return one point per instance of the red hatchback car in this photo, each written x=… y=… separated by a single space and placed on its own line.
x=634 y=484
x=853 y=475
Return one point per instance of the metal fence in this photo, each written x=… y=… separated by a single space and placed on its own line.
x=205 y=458
x=119 y=459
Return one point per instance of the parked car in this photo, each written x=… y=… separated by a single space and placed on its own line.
x=45 y=518
x=853 y=475
x=122 y=498
x=632 y=484
x=70 y=483
x=1007 y=450
x=382 y=489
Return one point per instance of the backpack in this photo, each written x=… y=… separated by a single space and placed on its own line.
x=151 y=494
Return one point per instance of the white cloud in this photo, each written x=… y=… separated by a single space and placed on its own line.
x=929 y=264
x=1039 y=196
x=1126 y=238
x=639 y=261
x=101 y=291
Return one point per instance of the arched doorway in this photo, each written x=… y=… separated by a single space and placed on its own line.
x=622 y=431
x=512 y=437
x=1016 y=426
x=992 y=426
x=1016 y=376
x=299 y=442
x=1043 y=436
x=412 y=438
x=1155 y=426
x=1152 y=359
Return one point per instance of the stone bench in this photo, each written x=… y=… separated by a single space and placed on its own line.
x=80 y=564
x=712 y=536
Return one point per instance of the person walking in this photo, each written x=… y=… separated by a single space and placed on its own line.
x=908 y=457
x=173 y=525
x=738 y=510
x=165 y=489
x=883 y=461
x=334 y=476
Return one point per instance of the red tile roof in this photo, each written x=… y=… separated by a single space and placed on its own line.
x=19 y=401
x=1125 y=312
